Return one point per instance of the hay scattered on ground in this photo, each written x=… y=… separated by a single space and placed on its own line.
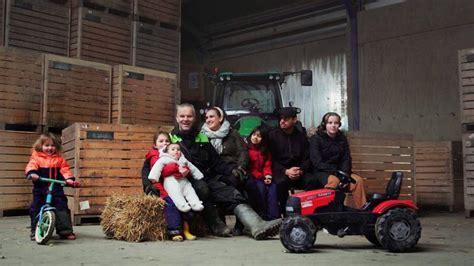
x=134 y=218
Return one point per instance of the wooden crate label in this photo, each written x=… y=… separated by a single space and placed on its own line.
x=100 y=135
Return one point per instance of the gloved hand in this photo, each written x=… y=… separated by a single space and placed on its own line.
x=240 y=173
x=151 y=190
x=72 y=183
x=33 y=177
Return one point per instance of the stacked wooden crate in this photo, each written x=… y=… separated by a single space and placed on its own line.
x=439 y=178
x=15 y=150
x=41 y=25
x=20 y=86
x=107 y=159
x=2 y=21
x=376 y=155
x=101 y=31
x=157 y=36
x=75 y=91
x=466 y=89
x=142 y=96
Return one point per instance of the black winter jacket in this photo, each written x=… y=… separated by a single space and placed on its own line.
x=330 y=154
x=289 y=151
x=235 y=150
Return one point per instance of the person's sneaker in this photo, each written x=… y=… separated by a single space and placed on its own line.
x=70 y=236
x=177 y=238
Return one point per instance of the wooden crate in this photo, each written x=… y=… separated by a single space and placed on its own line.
x=164 y=12
x=75 y=90
x=468 y=167
x=106 y=159
x=142 y=96
x=376 y=155
x=117 y=6
x=41 y=25
x=466 y=84
x=15 y=151
x=100 y=35
x=20 y=86
x=156 y=47
x=438 y=173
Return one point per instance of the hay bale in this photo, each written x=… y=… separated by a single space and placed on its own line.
x=134 y=218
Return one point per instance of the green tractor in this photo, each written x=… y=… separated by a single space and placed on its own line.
x=250 y=99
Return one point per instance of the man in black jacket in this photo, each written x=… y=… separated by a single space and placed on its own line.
x=197 y=149
x=291 y=165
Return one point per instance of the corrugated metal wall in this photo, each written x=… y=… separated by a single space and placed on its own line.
x=307 y=36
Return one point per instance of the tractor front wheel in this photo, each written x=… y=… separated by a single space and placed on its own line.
x=398 y=229
x=297 y=234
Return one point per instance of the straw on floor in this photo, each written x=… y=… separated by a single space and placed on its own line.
x=134 y=218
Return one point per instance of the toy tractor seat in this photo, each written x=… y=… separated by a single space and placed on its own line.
x=392 y=191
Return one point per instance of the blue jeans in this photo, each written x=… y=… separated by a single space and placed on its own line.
x=263 y=198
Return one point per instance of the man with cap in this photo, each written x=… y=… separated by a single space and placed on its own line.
x=291 y=164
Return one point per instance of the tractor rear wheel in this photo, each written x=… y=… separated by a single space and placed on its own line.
x=398 y=229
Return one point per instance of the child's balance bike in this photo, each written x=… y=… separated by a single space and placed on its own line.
x=385 y=220
x=47 y=216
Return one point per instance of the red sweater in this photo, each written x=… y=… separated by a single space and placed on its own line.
x=260 y=164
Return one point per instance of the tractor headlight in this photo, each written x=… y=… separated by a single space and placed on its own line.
x=277 y=78
x=221 y=78
x=227 y=78
x=271 y=77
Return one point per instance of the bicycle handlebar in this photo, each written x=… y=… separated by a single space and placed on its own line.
x=52 y=180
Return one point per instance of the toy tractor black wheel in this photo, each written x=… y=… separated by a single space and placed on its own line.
x=372 y=238
x=297 y=234
x=398 y=229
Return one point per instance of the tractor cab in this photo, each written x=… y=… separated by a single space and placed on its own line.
x=250 y=99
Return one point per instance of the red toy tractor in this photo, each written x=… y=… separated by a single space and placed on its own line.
x=385 y=220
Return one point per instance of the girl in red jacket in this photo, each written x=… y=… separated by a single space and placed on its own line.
x=262 y=191
x=46 y=161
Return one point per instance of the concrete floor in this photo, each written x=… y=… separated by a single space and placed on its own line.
x=447 y=239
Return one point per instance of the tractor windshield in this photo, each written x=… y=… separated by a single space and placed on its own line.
x=245 y=96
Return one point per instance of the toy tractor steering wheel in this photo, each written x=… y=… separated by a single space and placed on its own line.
x=344 y=177
x=249 y=103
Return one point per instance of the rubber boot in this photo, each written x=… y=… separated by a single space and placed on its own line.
x=187 y=234
x=258 y=228
x=217 y=226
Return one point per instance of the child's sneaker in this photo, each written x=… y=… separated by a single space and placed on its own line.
x=177 y=238
x=70 y=236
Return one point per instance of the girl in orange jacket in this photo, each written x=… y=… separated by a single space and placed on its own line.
x=46 y=161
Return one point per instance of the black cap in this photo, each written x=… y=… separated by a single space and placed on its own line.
x=288 y=111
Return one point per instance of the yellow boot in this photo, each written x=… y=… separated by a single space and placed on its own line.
x=186 y=233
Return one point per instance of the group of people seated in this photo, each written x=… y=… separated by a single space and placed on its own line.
x=212 y=169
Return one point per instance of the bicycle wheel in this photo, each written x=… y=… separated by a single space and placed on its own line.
x=45 y=227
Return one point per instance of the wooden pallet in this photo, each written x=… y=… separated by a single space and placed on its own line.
x=107 y=159
x=100 y=35
x=468 y=167
x=466 y=84
x=156 y=47
x=376 y=155
x=20 y=86
x=164 y=12
x=15 y=151
x=142 y=96
x=40 y=25
x=438 y=173
x=75 y=90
